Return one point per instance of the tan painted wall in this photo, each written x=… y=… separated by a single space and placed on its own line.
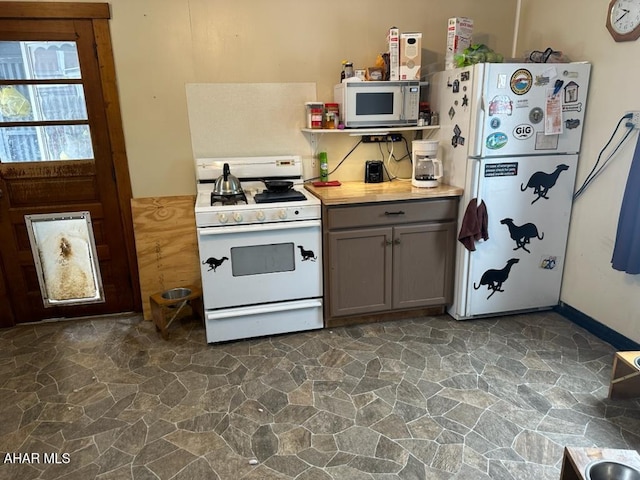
x=578 y=28
x=161 y=45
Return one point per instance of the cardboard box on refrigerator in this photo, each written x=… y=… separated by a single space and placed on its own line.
x=393 y=40
x=459 y=33
x=410 y=56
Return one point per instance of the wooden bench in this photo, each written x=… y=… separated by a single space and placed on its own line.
x=625 y=376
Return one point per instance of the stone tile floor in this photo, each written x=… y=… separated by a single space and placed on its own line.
x=426 y=398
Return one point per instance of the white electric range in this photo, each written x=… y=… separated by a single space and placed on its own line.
x=260 y=251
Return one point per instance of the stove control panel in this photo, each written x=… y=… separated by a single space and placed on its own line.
x=251 y=215
x=218 y=215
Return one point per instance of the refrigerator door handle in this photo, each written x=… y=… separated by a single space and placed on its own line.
x=477 y=182
x=476 y=146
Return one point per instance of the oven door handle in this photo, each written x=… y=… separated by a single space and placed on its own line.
x=259 y=227
x=260 y=309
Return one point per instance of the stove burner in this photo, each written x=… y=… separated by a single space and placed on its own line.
x=228 y=199
x=268 y=196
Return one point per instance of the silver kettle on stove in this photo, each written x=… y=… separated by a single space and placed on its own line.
x=226 y=184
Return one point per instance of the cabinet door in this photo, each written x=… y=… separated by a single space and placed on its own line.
x=360 y=271
x=423 y=258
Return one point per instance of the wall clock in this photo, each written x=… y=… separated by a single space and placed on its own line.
x=623 y=20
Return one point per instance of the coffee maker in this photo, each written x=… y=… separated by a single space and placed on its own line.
x=427 y=169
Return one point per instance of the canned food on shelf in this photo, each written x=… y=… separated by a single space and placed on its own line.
x=331 y=115
x=315 y=112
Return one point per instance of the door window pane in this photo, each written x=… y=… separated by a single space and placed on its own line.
x=31 y=144
x=39 y=60
x=27 y=103
x=14 y=104
x=60 y=102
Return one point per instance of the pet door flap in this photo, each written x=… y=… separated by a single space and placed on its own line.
x=65 y=257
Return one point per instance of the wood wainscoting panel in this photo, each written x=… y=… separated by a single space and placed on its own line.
x=166 y=245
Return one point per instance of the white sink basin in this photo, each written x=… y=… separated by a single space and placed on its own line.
x=610 y=470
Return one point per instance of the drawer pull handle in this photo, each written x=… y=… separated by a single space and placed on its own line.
x=399 y=212
x=396 y=241
x=388 y=243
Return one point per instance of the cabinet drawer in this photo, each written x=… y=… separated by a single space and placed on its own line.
x=392 y=213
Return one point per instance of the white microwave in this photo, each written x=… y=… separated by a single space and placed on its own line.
x=378 y=104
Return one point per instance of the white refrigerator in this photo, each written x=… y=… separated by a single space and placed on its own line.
x=510 y=136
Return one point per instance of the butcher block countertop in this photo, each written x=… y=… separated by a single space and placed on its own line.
x=360 y=192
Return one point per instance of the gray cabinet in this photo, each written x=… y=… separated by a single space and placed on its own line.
x=360 y=269
x=423 y=264
x=389 y=256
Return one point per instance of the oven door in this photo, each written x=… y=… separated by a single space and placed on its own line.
x=262 y=263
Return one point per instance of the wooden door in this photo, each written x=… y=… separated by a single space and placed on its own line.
x=423 y=258
x=360 y=271
x=61 y=151
x=6 y=310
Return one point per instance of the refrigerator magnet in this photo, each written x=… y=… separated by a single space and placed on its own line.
x=523 y=131
x=569 y=74
x=522 y=234
x=541 y=182
x=557 y=86
x=502 y=81
x=496 y=141
x=494 y=279
x=571 y=92
x=457 y=139
x=500 y=105
x=573 y=107
x=550 y=72
x=521 y=81
x=553 y=110
x=548 y=262
x=571 y=123
x=541 y=80
x=536 y=115
x=546 y=142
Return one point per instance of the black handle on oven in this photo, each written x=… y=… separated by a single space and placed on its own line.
x=399 y=212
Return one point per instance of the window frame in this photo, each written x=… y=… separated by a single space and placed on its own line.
x=49 y=11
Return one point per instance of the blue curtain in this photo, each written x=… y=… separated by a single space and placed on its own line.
x=626 y=252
